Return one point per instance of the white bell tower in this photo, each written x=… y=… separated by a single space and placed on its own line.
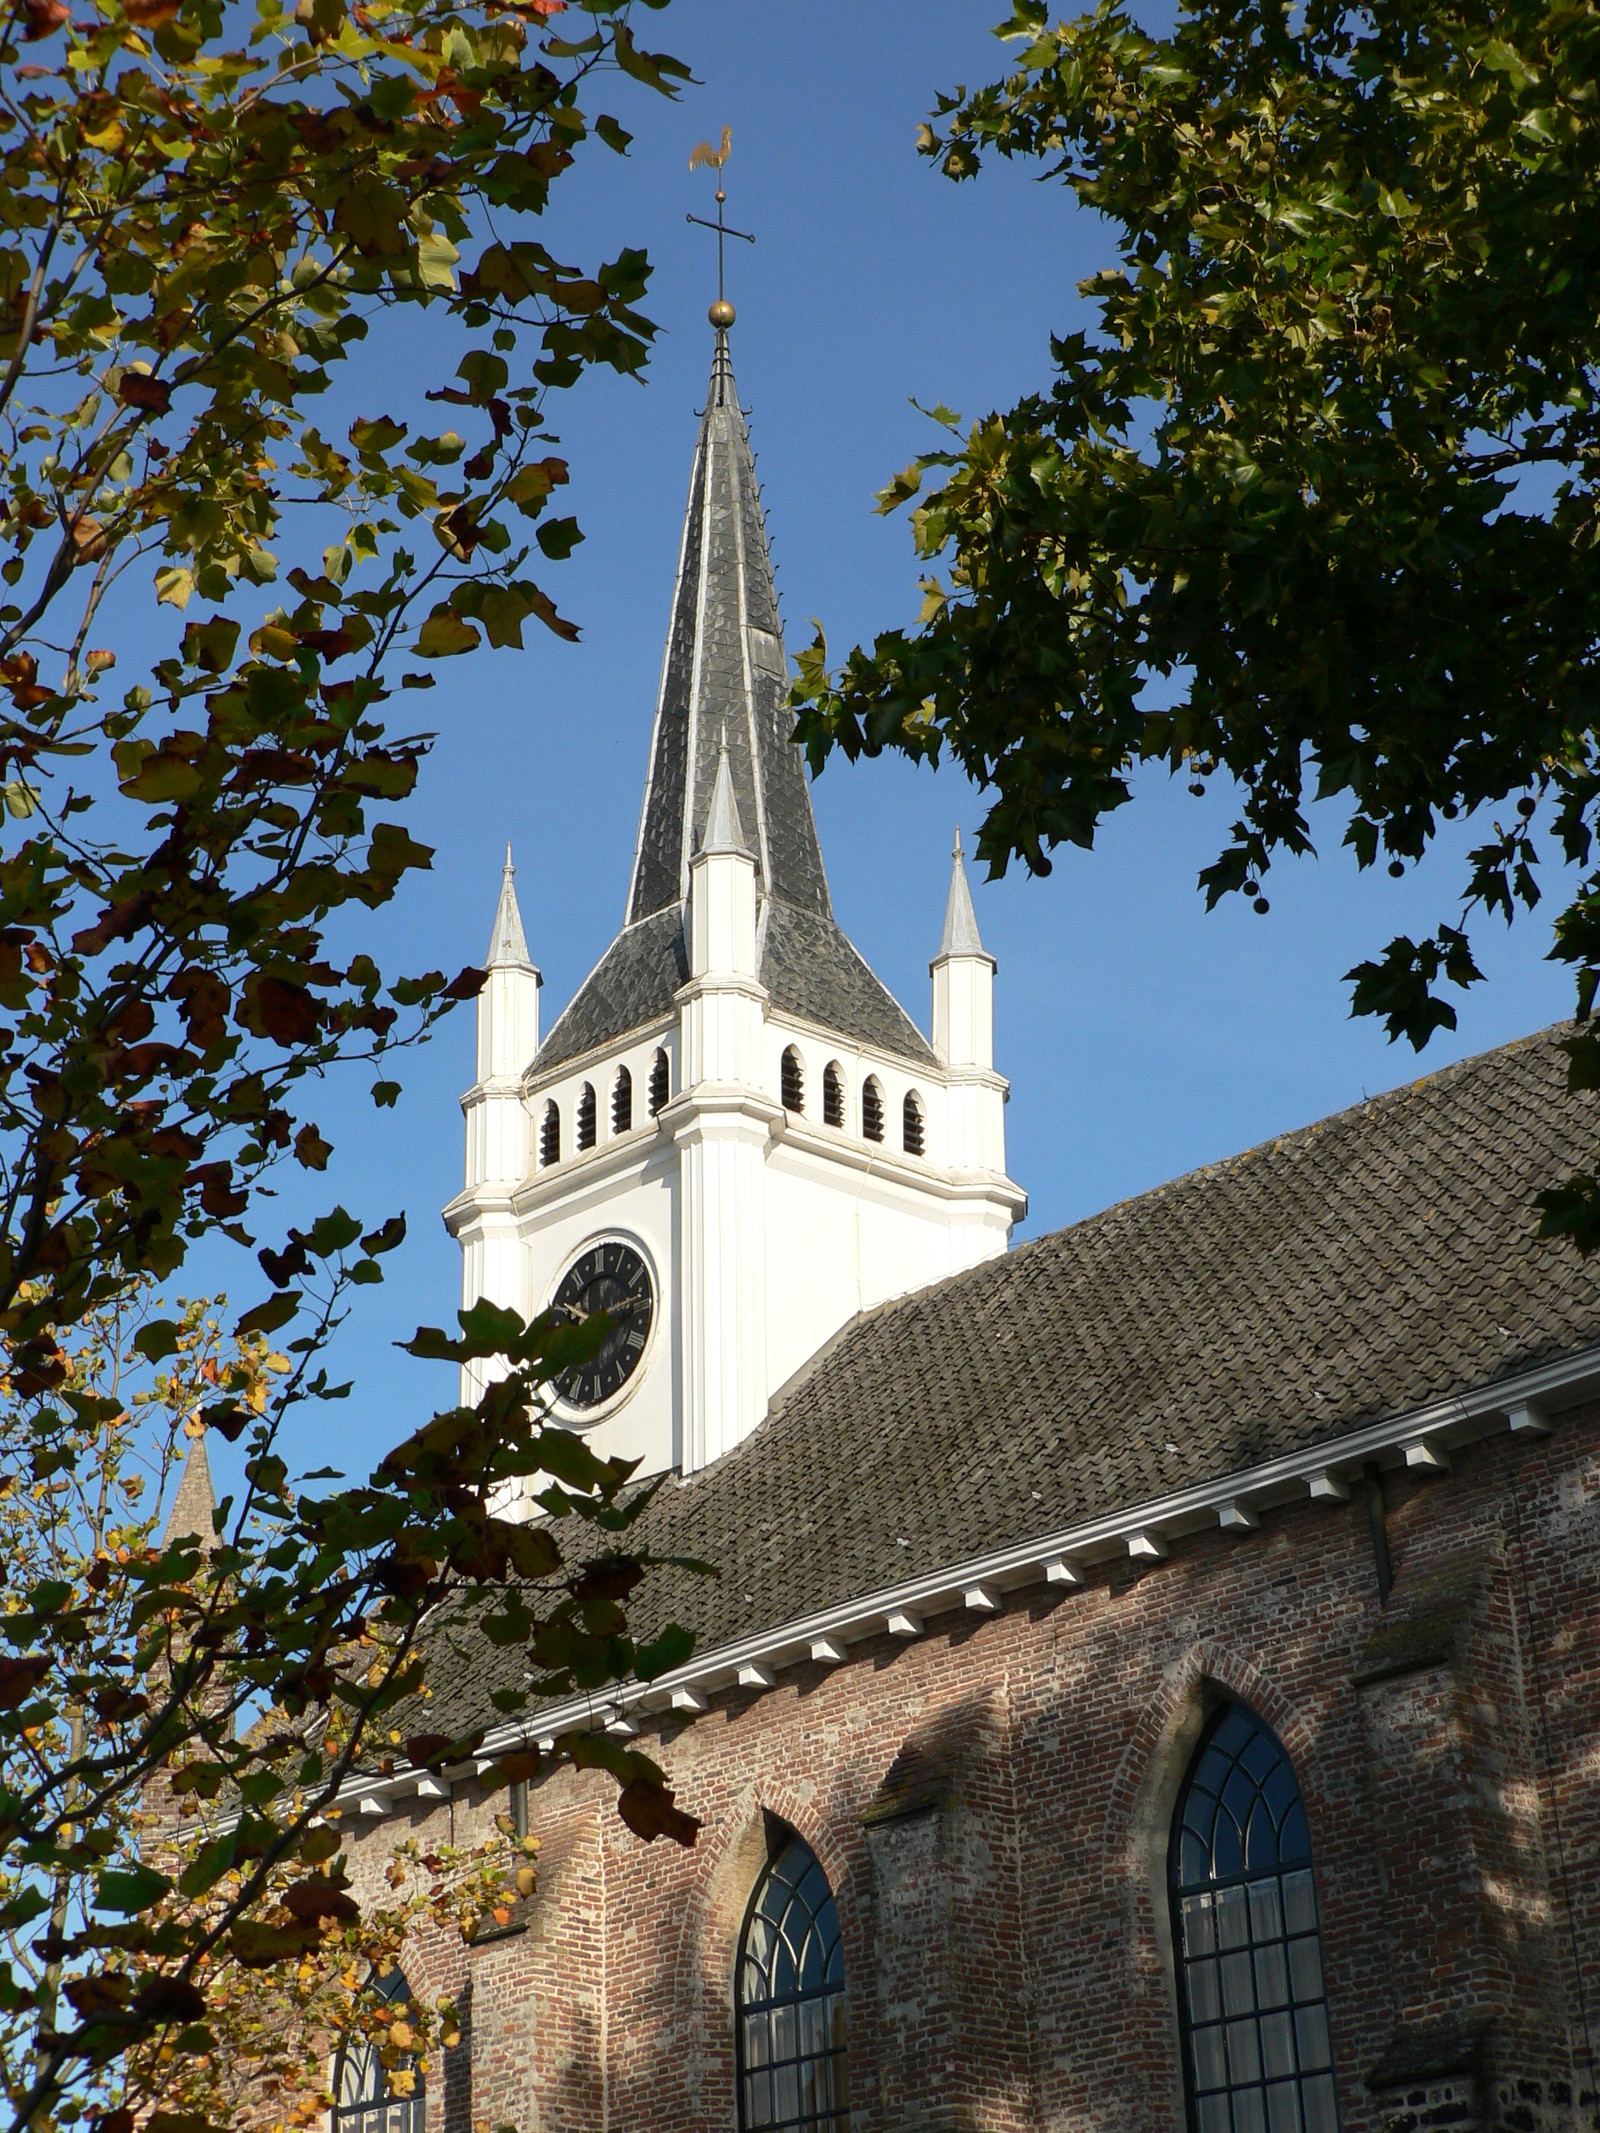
x=733 y=1140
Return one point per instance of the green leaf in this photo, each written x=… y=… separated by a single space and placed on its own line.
x=558 y=537
x=269 y=1316
x=215 y=1860
x=674 y=1647
x=130 y=1889
x=157 y=1340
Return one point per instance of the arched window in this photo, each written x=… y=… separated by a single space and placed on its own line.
x=586 y=1115
x=792 y=1080
x=1244 y=1928
x=550 y=1136
x=832 y=1094
x=622 y=1102
x=911 y=1125
x=791 y=2027
x=660 y=1082
x=369 y=2097
x=872 y=1109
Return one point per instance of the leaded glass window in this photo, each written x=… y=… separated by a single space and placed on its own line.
x=1249 y=1950
x=367 y=2097
x=791 y=2019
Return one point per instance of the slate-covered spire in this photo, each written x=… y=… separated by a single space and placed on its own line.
x=508 y=947
x=725 y=669
x=960 y=920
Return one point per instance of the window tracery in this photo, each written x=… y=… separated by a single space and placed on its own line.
x=791 y=2013
x=372 y=2098
x=1246 y=1939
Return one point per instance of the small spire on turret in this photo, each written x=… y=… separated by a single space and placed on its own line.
x=724 y=830
x=508 y=948
x=960 y=920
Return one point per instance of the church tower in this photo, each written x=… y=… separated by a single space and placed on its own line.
x=733 y=1138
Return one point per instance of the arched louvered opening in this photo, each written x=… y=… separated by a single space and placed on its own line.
x=369 y=2097
x=1247 y=1941
x=911 y=1133
x=586 y=1116
x=660 y=1082
x=792 y=1080
x=832 y=1094
x=791 y=2026
x=622 y=1102
x=872 y=1109
x=550 y=1135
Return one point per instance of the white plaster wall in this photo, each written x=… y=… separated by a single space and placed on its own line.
x=767 y=1231
x=633 y=1196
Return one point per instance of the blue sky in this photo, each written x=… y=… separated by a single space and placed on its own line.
x=1141 y=1037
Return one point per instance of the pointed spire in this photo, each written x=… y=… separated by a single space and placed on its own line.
x=724 y=830
x=507 y=946
x=725 y=669
x=195 y=1503
x=960 y=920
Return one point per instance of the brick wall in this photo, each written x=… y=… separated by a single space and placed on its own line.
x=991 y=1802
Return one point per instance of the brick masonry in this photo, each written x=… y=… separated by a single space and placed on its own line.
x=991 y=1802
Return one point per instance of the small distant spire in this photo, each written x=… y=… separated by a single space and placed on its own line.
x=724 y=830
x=960 y=920
x=507 y=946
x=194 y=1506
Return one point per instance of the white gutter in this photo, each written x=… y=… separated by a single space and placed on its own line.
x=1422 y=1438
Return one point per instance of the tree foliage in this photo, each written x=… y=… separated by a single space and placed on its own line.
x=204 y=213
x=179 y=1715
x=1313 y=509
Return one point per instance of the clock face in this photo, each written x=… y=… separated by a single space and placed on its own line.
x=614 y=1278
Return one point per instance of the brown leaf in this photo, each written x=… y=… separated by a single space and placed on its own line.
x=518 y=1767
x=203 y=1002
x=318 y=1897
x=649 y=1811
x=89 y=538
x=428 y=1748
x=40 y=17
x=286 y=1013
x=170 y=1999
x=150 y=14
x=19 y=1677
x=311 y=1151
x=154 y=395
x=95 y=1996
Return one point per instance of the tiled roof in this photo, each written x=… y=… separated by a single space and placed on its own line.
x=1364 y=1266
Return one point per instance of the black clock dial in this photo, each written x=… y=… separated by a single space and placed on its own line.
x=613 y=1278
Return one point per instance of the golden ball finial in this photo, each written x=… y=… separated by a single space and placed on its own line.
x=721 y=314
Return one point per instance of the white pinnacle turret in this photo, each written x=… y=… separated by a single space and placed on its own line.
x=508 y=947
x=963 y=981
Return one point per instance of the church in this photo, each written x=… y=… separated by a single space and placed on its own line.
x=1153 y=1675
